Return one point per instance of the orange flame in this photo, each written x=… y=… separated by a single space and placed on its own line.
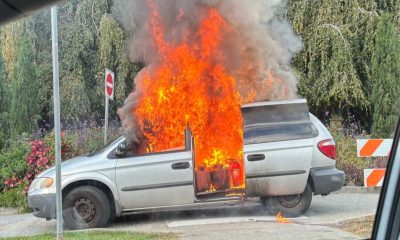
x=189 y=86
x=281 y=219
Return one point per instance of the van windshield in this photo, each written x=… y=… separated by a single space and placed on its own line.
x=102 y=148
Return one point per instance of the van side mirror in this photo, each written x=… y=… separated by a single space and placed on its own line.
x=121 y=150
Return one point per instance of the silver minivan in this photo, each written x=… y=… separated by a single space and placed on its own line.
x=289 y=155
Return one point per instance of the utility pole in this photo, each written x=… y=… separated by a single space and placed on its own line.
x=57 y=129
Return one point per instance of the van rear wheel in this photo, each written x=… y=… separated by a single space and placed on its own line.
x=290 y=205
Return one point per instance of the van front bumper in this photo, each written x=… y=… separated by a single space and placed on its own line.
x=43 y=205
x=326 y=180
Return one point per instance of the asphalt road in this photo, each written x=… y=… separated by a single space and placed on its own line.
x=249 y=222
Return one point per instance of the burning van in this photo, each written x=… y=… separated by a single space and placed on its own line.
x=286 y=155
x=198 y=129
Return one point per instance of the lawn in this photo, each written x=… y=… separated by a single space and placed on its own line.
x=100 y=235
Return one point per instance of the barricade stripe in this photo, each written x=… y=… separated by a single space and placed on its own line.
x=375 y=177
x=370 y=147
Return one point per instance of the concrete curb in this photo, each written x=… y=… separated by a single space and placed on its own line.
x=359 y=189
x=9 y=211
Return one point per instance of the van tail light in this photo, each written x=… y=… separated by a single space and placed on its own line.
x=328 y=148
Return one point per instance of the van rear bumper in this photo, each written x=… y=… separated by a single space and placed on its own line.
x=326 y=180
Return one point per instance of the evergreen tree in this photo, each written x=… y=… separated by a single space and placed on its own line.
x=386 y=78
x=4 y=104
x=24 y=104
x=39 y=24
x=9 y=44
x=3 y=88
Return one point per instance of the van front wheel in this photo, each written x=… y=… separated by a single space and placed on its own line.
x=86 y=207
x=290 y=205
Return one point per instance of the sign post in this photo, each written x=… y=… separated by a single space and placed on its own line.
x=109 y=91
x=57 y=128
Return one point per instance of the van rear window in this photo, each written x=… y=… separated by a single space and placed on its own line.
x=280 y=122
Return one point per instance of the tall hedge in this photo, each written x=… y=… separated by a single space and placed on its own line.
x=24 y=90
x=386 y=78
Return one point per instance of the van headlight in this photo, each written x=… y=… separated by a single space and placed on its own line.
x=41 y=183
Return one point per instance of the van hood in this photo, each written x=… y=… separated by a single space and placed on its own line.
x=80 y=164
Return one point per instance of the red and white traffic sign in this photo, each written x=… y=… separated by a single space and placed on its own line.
x=109 y=84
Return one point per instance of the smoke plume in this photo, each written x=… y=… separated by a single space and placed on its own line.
x=256 y=51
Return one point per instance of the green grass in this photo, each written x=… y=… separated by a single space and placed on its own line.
x=100 y=235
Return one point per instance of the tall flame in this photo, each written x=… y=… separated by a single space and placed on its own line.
x=191 y=87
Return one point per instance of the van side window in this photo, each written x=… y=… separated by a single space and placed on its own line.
x=314 y=130
x=133 y=149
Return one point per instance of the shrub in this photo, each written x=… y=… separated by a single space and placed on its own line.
x=23 y=159
x=14 y=198
x=38 y=158
x=347 y=159
x=13 y=162
x=89 y=139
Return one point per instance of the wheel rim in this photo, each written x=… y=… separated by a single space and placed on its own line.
x=84 y=210
x=290 y=201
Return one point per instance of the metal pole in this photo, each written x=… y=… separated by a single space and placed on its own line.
x=106 y=122
x=57 y=130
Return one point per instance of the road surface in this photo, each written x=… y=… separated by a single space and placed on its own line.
x=250 y=222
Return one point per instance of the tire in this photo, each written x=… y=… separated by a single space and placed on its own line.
x=86 y=207
x=292 y=205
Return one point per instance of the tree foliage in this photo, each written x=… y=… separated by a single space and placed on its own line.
x=329 y=76
x=9 y=45
x=74 y=98
x=385 y=78
x=349 y=63
x=24 y=105
x=113 y=55
x=4 y=103
x=335 y=68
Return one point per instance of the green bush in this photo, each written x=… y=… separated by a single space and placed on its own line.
x=13 y=160
x=69 y=148
x=21 y=159
x=14 y=198
x=89 y=139
x=347 y=159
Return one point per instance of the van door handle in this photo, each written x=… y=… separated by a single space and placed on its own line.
x=180 y=165
x=256 y=157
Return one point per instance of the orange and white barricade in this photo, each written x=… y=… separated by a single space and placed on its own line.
x=374 y=148
x=374 y=177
